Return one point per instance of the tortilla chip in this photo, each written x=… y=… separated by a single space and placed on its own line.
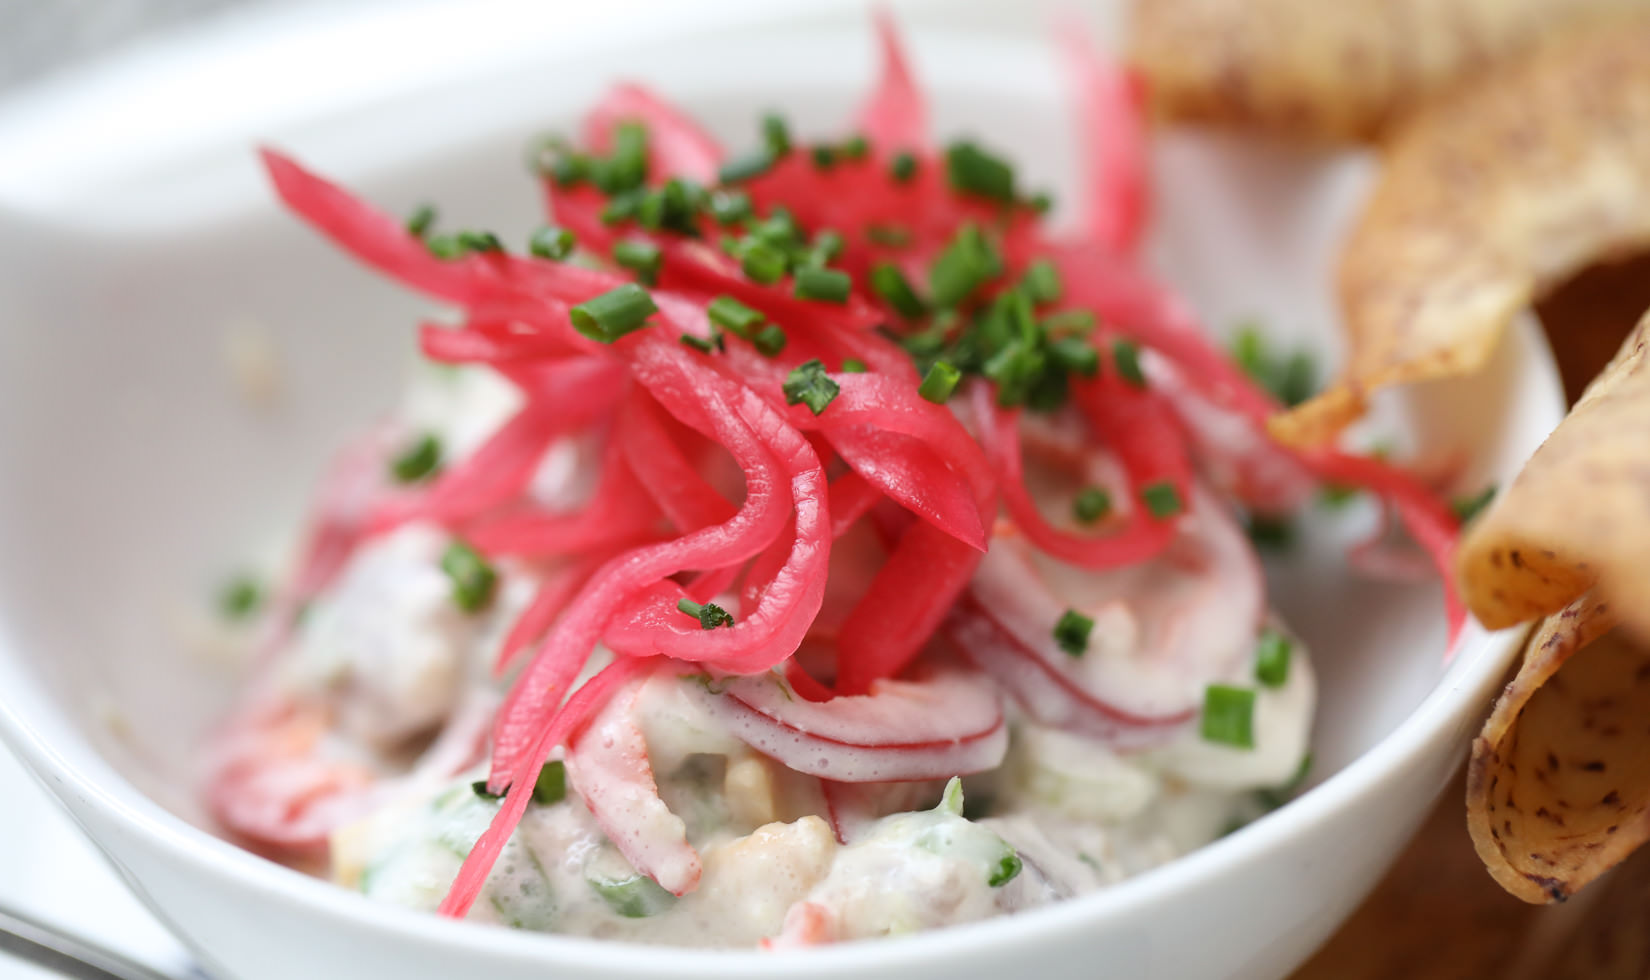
x=1578 y=514
x=1558 y=789
x=1490 y=196
x=1329 y=69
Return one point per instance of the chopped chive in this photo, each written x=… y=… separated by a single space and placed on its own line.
x=643 y=258
x=239 y=598
x=824 y=156
x=479 y=788
x=1272 y=533
x=614 y=313
x=888 y=282
x=1041 y=202
x=748 y=167
x=704 y=345
x=474 y=580
x=732 y=315
x=634 y=897
x=1229 y=716
x=808 y=384
x=551 y=242
x=446 y=247
x=623 y=206
x=421 y=220
x=626 y=167
x=1466 y=508
x=1162 y=500
x=776 y=135
x=729 y=207
x=480 y=241
x=1069 y=323
x=903 y=167
x=551 y=786
x=1006 y=871
x=418 y=460
x=1071 y=633
x=853 y=365
x=1297 y=379
x=827 y=247
x=770 y=340
x=965 y=264
x=971 y=170
x=855 y=147
x=1272 y=659
x=1049 y=392
x=823 y=285
x=1092 y=504
x=1126 y=355
x=1076 y=355
x=710 y=615
x=1041 y=282
x=762 y=263
x=940 y=381
x=888 y=236
x=1016 y=369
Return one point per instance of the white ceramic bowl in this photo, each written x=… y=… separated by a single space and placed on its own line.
x=136 y=242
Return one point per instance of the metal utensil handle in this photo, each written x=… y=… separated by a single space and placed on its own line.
x=72 y=956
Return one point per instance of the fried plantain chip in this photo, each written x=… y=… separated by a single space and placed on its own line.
x=1558 y=787
x=1488 y=197
x=1335 y=69
x=1578 y=514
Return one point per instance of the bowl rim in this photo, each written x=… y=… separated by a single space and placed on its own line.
x=74 y=769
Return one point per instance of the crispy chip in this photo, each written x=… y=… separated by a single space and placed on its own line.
x=1338 y=69
x=1578 y=514
x=1487 y=198
x=1558 y=789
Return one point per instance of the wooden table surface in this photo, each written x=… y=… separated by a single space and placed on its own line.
x=1438 y=915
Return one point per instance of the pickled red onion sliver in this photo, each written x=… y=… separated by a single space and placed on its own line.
x=947 y=724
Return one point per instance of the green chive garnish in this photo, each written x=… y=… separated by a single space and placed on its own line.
x=823 y=285
x=1076 y=355
x=551 y=787
x=446 y=247
x=710 y=615
x=971 y=170
x=421 y=220
x=888 y=236
x=1335 y=496
x=888 y=282
x=827 y=247
x=1161 y=499
x=1092 y=504
x=729 y=207
x=965 y=264
x=239 y=598
x=1272 y=659
x=614 y=313
x=623 y=206
x=1041 y=282
x=479 y=788
x=626 y=168
x=808 y=384
x=1006 y=871
x=1041 y=202
x=551 y=242
x=418 y=460
x=776 y=135
x=1071 y=633
x=855 y=147
x=744 y=168
x=1126 y=354
x=704 y=345
x=903 y=167
x=1229 y=716
x=1067 y=323
x=824 y=156
x=1272 y=533
x=762 y=263
x=940 y=381
x=734 y=316
x=770 y=340
x=474 y=580
x=853 y=365
x=643 y=258
x=1466 y=508
x=480 y=241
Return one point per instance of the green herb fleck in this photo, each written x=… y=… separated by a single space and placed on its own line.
x=808 y=384
x=1466 y=508
x=903 y=167
x=1275 y=533
x=1126 y=355
x=551 y=787
x=710 y=615
x=1229 y=716
x=972 y=170
x=614 y=313
x=1162 y=500
x=853 y=365
x=770 y=340
x=643 y=258
x=1041 y=282
x=1091 y=505
x=421 y=220
x=734 y=316
x=474 y=580
x=940 y=381
x=418 y=461
x=1272 y=658
x=1007 y=869
x=239 y=598
x=551 y=242
x=823 y=285
x=1071 y=633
